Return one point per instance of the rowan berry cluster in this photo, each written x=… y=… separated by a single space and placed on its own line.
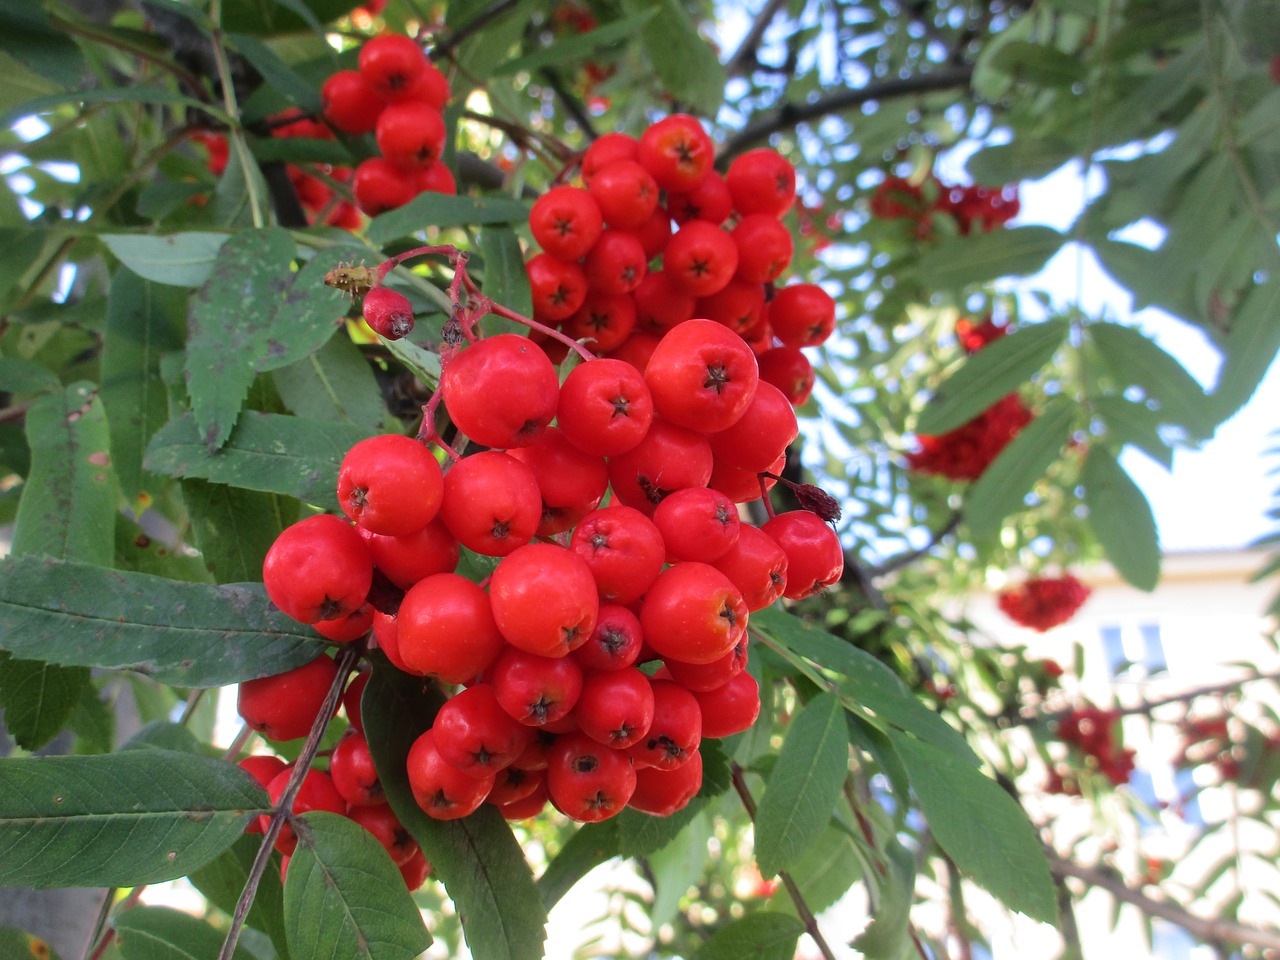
x=1092 y=731
x=1042 y=603
x=965 y=452
x=615 y=274
x=897 y=198
x=396 y=94
x=314 y=192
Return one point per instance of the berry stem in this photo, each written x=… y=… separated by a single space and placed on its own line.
x=346 y=664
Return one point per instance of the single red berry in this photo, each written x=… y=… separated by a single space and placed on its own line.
x=475 y=734
x=415 y=870
x=617 y=263
x=544 y=599
x=385 y=827
x=411 y=134
x=435 y=178
x=445 y=629
x=263 y=768
x=764 y=248
x=605 y=150
x=790 y=371
x=623 y=550
x=677 y=152
x=761 y=434
x=661 y=791
x=739 y=306
x=616 y=707
x=285 y=706
x=318 y=569
x=757 y=565
x=529 y=805
x=676 y=730
x=660 y=303
x=694 y=613
x=710 y=200
x=603 y=321
x=535 y=690
x=614 y=643
x=390 y=484
x=761 y=181
x=697 y=523
x=379 y=185
x=350 y=103
x=701 y=677
x=352 y=698
x=352 y=771
x=559 y=287
x=566 y=222
x=605 y=407
x=391 y=63
x=506 y=366
x=571 y=481
x=802 y=315
x=388 y=312
x=702 y=376
x=345 y=629
x=492 y=503
x=701 y=258
x=625 y=194
x=669 y=458
x=588 y=781
x=406 y=560
x=315 y=793
x=442 y=790
x=815 y=558
x=730 y=708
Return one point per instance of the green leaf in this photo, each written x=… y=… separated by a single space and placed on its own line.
x=422 y=363
x=233 y=528
x=334 y=383
x=344 y=897
x=685 y=62
x=1133 y=423
x=1121 y=519
x=505 y=279
x=280 y=16
x=181 y=259
x=186 y=634
x=27 y=35
x=578 y=47
x=20 y=945
x=1003 y=485
x=587 y=847
x=677 y=867
x=887 y=937
x=26 y=376
x=222 y=880
x=130 y=94
x=162 y=933
x=38 y=698
x=1251 y=345
x=1038 y=64
x=444 y=210
x=282 y=77
x=827 y=871
x=68 y=504
x=982 y=829
x=269 y=452
x=93 y=721
x=1135 y=360
x=1024 y=158
x=867 y=687
x=981 y=257
x=119 y=819
x=476 y=858
x=253 y=314
x=804 y=785
x=995 y=371
x=762 y=935
x=1140 y=270
x=144 y=321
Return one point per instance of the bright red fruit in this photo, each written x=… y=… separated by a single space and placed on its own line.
x=662 y=791
x=391 y=63
x=352 y=771
x=701 y=258
x=559 y=287
x=534 y=690
x=315 y=793
x=605 y=407
x=616 y=264
x=406 y=560
x=572 y=482
x=350 y=103
x=616 y=707
x=676 y=729
x=501 y=391
x=697 y=523
x=731 y=708
x=390 y=485
x=605 y=150
x=764 y=248
x=566 y=222
x=411 y=134
x=815 y=558
x=475 y=734
x=625 y=193
x=757 y=566
x=603 y=321
x=263 y=768
x=379 y=185
x=790 y=371
x=491 y=503
x=386 y=828
x=702 y=677
x=761 y=181
x=318 y=569
x=388 y=312
x=588 y=781
x=677 y=152
x=702 y=376
x=802 y=315
x=668 y=458
x=544 y=599
x=614 y=643
x=1043 y=603
x=761 y=434
x=445 y=629
x=709 y=200
x=442 y=790
x=623 y=550
x=693 y=613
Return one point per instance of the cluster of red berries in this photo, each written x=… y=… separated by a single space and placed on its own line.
x=897 y=198
x=315 y=195
x=965 y=452
x=570 y=16
x=1092 y=730
x=552 y=704
x=616 y=274
x=283 y=708
x=396 y=94
x=1043 y=603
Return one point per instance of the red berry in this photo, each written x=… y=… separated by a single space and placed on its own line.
x=501 y=391
x=572 y=482
x=815 y=558
x=757 y=566
x=566 y=222
x=318 y=569
x=693 y=613
x=315 y=793
x=491 y=504
x=697 y=523
x=764 y=248
x=790 y=371
x=391 y=63
x=623 y=550
x=406 y=560
x=625 y=194
x=730 y=708
x=702 y=376
x=535 y=690
x=442 y=790
x=388 y=312
x=379 y=185
x=616 y=707
x=617 y=263
x=411 y=134
x=352 y=771
x=390 y=485
x=385 y=827
x=475 y=734
x=605 y=407
x=559 y=287
x=614 y=643
x=661 y=791
x=544 y=599
x=668 y=458
x=701 y=258
x=676 y=729
x=445 y=629
x=762 y=181
x=802 y=315
x=350 y=103
x=677 y=152
x=588 y=781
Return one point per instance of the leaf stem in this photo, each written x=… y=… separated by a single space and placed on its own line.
x=284 y=809
x=236 y=130
x=793 y=890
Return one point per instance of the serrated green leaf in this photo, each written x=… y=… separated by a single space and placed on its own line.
x=119 y=819
x=234 y=528
x=588 y=847
x=186 y=634
x=19 y=945
x=1038 y=64
x=26 y=376
x=1121 y=519
x=444 y=210
x=1003 y=485
x=578 y=47
x=422 y=363
x=180 y=259
x=1024 y=158
x=804 y=785
x=68 y=503
x=1251 y=345
x=995 y=371
x=505 y=279
x=1133 y=423
x=222 y=880
x=334 y=383
x=252 y=315
x=887 y=936
x=763 y=935
x=344 y=896
x=826 y=872
x=93 y=721
x=1135 y=360
x=476 y=858
x=38 y=698
x=162 y=933
x=282 y=77
x=686 y=64
x=981 y=257
x=144 y=321
x=270 y=452
x=982 y=829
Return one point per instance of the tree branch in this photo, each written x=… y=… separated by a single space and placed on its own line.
x=746 y=53
x=911 y=556
x=1213 y=931
x=791 y=114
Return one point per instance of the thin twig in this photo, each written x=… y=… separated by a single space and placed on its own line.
x=236 y=130
x=911 y=556
x=1210 y=930
x=284 y=809
x=445 y=47
x=788 y=115
x=793 y=890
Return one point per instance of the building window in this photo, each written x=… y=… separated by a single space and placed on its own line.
x=1133 y=652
